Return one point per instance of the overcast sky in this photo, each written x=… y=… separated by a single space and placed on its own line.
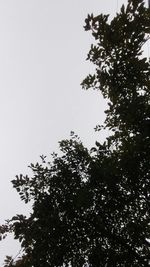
x=43 y=48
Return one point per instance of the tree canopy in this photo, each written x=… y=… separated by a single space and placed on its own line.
x=90 y=207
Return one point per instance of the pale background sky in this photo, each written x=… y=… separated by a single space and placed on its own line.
x=43 y=48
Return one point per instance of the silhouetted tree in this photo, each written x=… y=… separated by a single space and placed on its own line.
x=92 y=207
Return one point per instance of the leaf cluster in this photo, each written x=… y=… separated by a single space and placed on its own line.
x=91 y=207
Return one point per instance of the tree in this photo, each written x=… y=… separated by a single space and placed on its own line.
x=91 y=207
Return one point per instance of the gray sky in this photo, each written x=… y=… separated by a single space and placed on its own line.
x=43 y=48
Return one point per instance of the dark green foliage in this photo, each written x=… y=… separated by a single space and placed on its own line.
x=92 y=207
x=22 y=261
